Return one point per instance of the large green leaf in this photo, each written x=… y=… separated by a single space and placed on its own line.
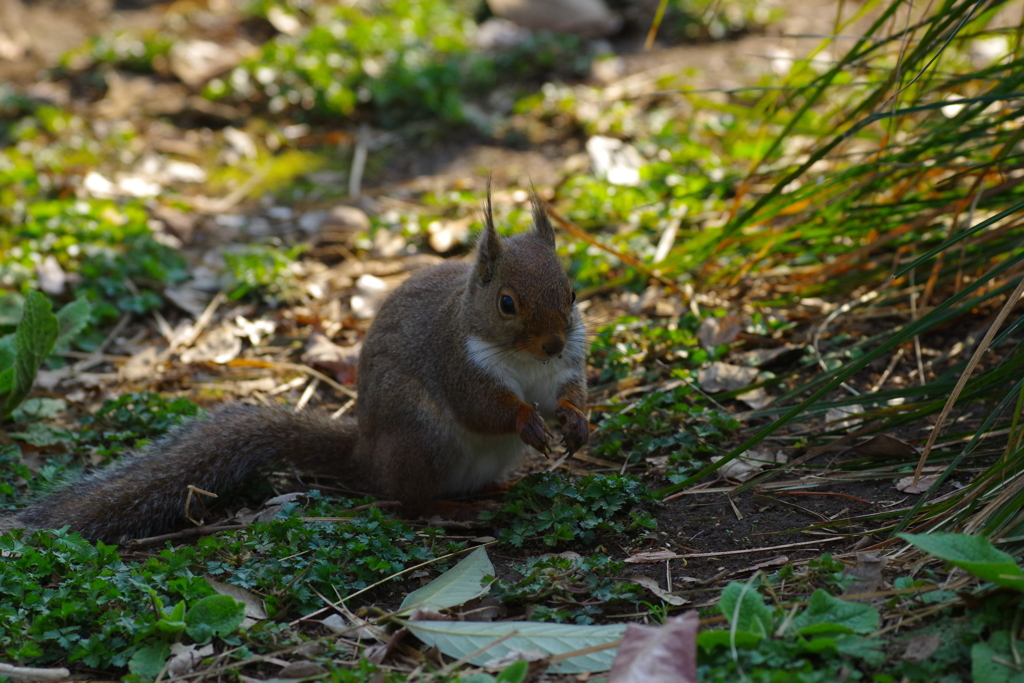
x=214 y=615
x=827 y=614
x=458 y=585
x=460 y=638
x=33 y=341
x=744 y=607
x=974 y=554
x=992 y=661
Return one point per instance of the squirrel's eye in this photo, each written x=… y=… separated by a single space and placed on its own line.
x=507 y=306
x=572 y=298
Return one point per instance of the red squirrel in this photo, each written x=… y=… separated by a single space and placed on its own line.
x=458 y=374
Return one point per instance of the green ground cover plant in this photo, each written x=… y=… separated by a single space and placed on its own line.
x=549 y=508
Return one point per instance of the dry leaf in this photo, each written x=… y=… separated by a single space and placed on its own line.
x=185 y=658
x=189 y=298
x=714 y=331
x=749 y=463
x=780 y=356
x=844 y=417
x=922 y=647
x=254 y=330
x=370 y=294
x=663 y=654
x=286 y=498
x=247 y=387
x=652 y=585
x=336 y=623
x=867 y=573
x=340 y=362
x=756 y=399
x=908 y=485
x=774 y=562
x=884 y=446
x=652 y=557
x=721 y=376
x=140 y=366
x=378 y=652
x=219 y=345
x=196 y=61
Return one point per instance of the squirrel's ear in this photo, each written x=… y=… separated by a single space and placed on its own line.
x=488 y=249
x=541 y=222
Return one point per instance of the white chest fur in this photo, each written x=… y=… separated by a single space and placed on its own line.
x=534 y=381
x=485 y=457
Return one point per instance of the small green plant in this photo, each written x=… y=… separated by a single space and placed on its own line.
x=263 y=269
x=822 y=637
x=11 y=470
x=115 y=261
x=70 y=600
x=98 y=609
x=291 y=560
x=214 y=615
x=711 y=20
x=567 y=589
x=409 y=59
x=129 y=419
x=37 y=334
x=547 y=507
x=405 y=59
x=679 y=423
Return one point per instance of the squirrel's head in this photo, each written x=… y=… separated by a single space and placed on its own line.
x=521 y=296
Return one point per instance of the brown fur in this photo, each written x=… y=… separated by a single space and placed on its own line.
x=428 y=413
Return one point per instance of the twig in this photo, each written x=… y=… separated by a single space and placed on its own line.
x=186 y=535
x=314 y=373
x=888 y=370
x=188 y=500
x=97 y=356
x=688 y=556
x=307 y=394
x=917 y=338
x=343 y=409
x=355 y=176
x=29 y=674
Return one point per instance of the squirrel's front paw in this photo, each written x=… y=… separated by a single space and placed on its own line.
x=534 y=432
x=575 y=429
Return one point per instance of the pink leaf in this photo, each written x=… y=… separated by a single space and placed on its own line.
x=658 y=654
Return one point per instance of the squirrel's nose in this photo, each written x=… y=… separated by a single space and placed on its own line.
x=553 y=345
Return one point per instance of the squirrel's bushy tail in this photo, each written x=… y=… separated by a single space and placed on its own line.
x=145 y=494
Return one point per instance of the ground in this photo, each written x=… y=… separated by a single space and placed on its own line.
x=372 y=199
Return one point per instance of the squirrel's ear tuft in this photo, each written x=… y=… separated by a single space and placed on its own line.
x=541 y=222
x=488 y=250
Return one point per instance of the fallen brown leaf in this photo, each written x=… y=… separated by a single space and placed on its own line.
x=662 y=654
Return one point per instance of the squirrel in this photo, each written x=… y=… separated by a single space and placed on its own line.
x=458 y=373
